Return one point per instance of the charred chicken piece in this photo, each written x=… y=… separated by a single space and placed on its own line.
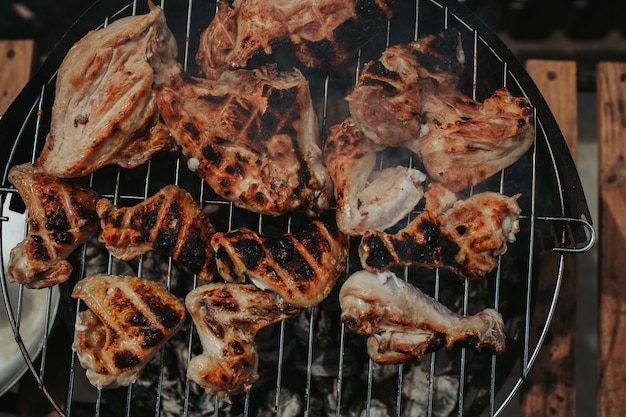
x=252 y=136
x=403 y=323
x=464 y=236
x=302 y=267
x=227 y=317
x=410 y=97
x=127 y=321
x=104 y=110
x=61 y=216
x=323 y=33
x=366 y=201
x=170 y=222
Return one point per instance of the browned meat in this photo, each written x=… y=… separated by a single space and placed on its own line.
x=467 y=142
x=367 y=200
x=465 y=236
x=61 y=216
x=324 y=33
x=104 y=110
x=127 y=321
x=252 y=136
x=403 y=323
x=170 y=222
x=302 y=267
x=410 y=97
x=227 y=317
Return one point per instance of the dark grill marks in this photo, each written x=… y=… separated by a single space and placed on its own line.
x=376 y=73
x=288 y=258
x=125 y=359
x=192 y=252
x=212 y=155
x=250 y=251
x=38 y=249
x=314 y=241
x=369 y=20
x=151 y=337
x=440 y=54
x=432 y=246
x=169 y=230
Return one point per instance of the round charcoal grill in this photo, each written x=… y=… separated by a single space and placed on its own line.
x=312 y=364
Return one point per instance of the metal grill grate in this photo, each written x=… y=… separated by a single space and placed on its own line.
x=554 y=222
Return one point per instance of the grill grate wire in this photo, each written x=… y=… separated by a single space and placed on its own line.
x=532 y=222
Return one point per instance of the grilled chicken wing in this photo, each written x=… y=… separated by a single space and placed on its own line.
x=364 y=203
x=324 y=33
x=465 y=236
x=170 y=222
x=61 y=215
x=410 y=97
x=227 y=317
x=402 y=323
x=252 y=136
x=104 y=110
x=302 y=267
x=127 y=321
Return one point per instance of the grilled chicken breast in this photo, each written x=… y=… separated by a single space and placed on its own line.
x=252 y=136
x=324 y=33
x=403 y=323
x=227 y=318
x=127 y=321
x=367 y=200
x=169 y=222
x=464 y=236
x=302 y=267
x=61 y=216
x=104 y=110
x=410 y=97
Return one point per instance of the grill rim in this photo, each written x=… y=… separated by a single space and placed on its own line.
x=575 y=211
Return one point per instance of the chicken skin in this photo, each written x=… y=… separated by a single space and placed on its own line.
x=403 y=323
x=252 y=136
x=127 y=321
x=302 y=267
x=410 y=97
x=170 y=222
x=104 y=110
x=61 y=215
x=323 y=33
x=367 y=200
x=464 y=236
x=227 y=317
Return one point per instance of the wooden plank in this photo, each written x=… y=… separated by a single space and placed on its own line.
x=611 y=84
x=550 y=389
x=16 y=60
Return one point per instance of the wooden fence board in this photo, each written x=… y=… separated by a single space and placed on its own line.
x=550 y=389
x=611 y=83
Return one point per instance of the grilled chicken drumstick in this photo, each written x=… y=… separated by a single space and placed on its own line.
x=104 y=110
x=402 y=323
x=302 y=267
x=364 y=203
x=252 y=136
x=61 y=215
x=170 y=222
x=465 y=236
x=227 y=317
x=127 y=321
x=324 y=33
